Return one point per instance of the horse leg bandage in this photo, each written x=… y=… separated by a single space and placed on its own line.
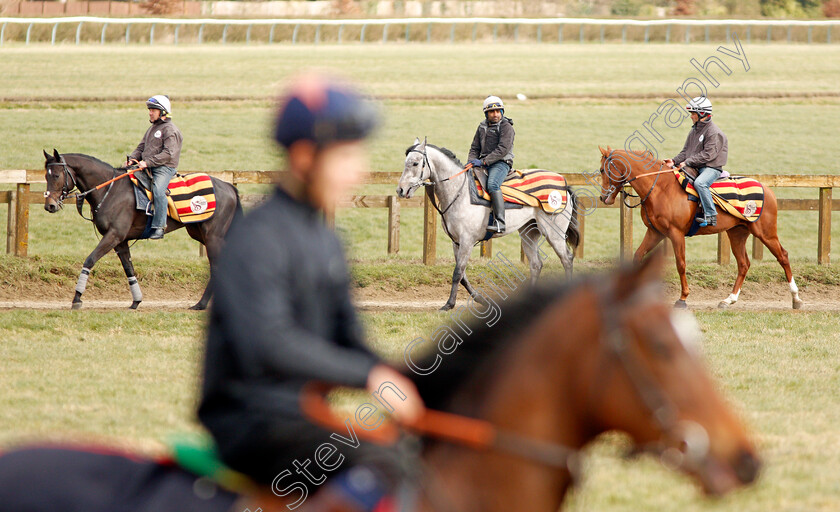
x=81 y=284
x=136 y=294
x=733 y=298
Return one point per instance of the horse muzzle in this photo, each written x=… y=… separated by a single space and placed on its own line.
x=51 y=205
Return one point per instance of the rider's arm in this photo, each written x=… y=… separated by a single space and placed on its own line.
x=712 y=147
x=253 y=298
x=680 y=158
x=170 y=150
x=475 y=147
x=505 y=146
x=137 y=153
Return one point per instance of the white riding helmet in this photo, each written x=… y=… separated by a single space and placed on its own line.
x=701 y=104
x=493 y=103
x=161 y=103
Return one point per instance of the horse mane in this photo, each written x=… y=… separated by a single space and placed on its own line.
x=445 y=151
x=482 y=351
x=95 y=161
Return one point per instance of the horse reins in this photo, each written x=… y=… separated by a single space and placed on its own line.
x=608 y=161
x=453 y=428
x=422 y=183
x=65 y=191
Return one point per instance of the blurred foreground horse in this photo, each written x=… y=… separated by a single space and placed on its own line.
x=510 y=410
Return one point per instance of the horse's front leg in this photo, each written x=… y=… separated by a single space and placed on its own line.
x=462 y=256
x=109 y=241
x=652 y=237
x=124 y=253
x=678 y=242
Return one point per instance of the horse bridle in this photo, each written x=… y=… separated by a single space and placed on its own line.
x=624 y=195
x=662 y=409
x=422 y=183
x=65 y=190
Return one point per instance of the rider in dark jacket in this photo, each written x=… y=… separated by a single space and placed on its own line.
x=282 y=314
x=492 y=148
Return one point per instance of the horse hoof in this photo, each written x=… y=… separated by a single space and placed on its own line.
x=198 y=307
x=134 y=304
x=723 y=305
x=680 y=304
x=447 y=307
x=797 y=303
x=76 y=305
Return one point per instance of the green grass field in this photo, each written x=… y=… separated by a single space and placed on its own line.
x=134 y=376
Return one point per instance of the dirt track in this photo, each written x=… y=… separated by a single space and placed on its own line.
x=755 y=297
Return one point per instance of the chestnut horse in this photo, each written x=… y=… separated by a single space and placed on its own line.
x=667 y=212
x=546 y=377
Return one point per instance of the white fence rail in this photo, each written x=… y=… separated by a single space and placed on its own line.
x=510 y=26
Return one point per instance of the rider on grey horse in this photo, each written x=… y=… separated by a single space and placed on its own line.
x=492 y=147
x=159 y=151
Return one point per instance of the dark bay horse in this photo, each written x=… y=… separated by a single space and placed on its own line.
x=560 y=366
x=118 y=221
x=667 y=213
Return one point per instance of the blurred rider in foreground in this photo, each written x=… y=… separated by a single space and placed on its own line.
x=282 y=316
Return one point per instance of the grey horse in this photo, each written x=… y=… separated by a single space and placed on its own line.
x=466 y=223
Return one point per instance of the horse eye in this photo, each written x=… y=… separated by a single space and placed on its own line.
x=414 y=164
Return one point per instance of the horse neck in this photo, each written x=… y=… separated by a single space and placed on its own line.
x=540 y=391
x=442 y=168
x=644 y=185
x=89 y=173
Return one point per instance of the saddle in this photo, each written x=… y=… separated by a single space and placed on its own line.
x=738 y=196
x=537 y=188
x=190 y=197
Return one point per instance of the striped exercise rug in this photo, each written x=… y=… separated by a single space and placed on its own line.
x=191 y=197
x=738 y=196
x=537 y=188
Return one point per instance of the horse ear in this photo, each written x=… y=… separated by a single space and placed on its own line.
x=46 y=155
x=416 y=140
x=56 y=155
x=603 y=151
x=423 y=145
x=636 y=277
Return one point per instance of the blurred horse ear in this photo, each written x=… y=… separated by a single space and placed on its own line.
x=423 y=144
x=46 y=155
x=603 y=151
x=56 y=155
x=416 y=140
x=638 y=276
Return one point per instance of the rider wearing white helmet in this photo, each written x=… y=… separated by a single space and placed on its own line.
x=492 y=147
x=706 y=149
x=159 y=151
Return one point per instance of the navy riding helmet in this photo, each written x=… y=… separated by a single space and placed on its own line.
x=323 y=112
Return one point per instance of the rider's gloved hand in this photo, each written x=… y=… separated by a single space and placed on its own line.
x=405 y=411
x=476 y=162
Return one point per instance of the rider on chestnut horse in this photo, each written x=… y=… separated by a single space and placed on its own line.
x=706 y=148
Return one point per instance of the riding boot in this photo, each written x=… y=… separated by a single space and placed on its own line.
x=497 y=200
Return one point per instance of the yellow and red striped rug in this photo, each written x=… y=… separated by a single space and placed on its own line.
x=537 y=188
x=738 y=196
x=191 y=197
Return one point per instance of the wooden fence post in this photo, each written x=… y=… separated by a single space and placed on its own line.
x=626 y=232
x=11 y=229
x=393 y=225
x=487 y=248
x=824 y=230
x=723 y=249
x=429 y=229
x=22 y=220
x=758 y=249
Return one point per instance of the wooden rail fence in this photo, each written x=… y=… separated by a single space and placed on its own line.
x=19 y=200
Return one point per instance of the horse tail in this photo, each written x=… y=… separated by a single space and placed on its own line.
x=572 y=232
